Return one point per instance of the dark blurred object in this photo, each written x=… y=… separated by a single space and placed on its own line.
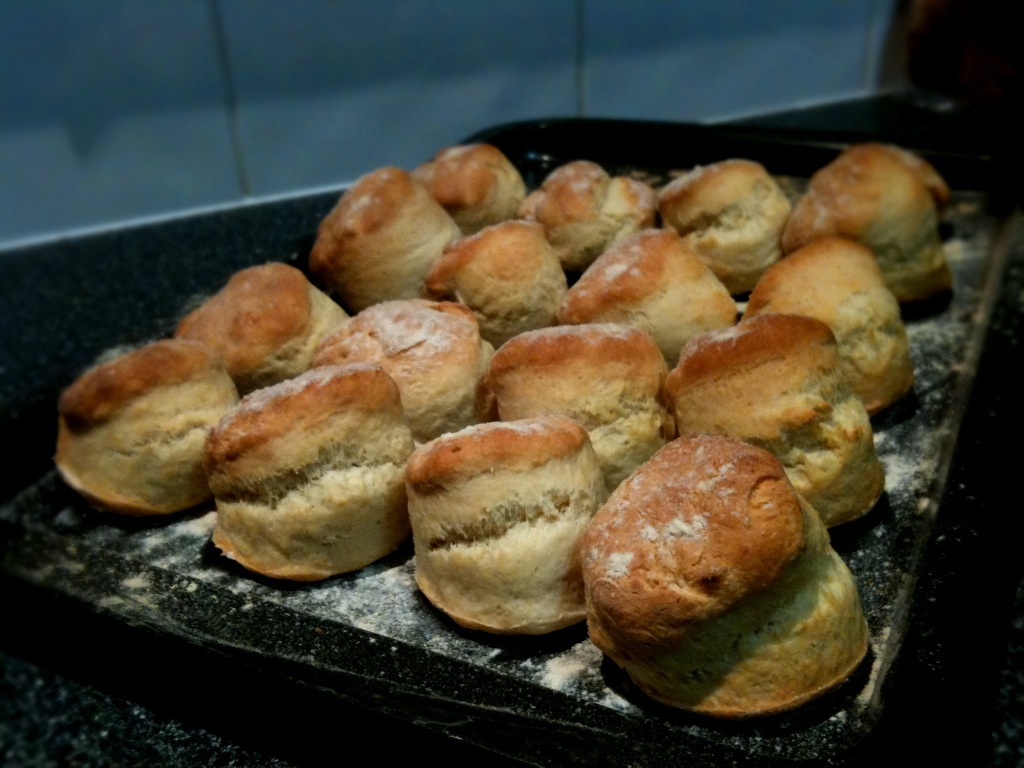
x=968 y=50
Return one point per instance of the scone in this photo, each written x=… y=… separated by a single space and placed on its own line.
x=131 y=430
x=309 y=474
x=265 y=324
x=713 y=584
x=887 y=200
x=839 y=282
x=607 y=377
x=584 y=210
x=732 y=213
x=508 y=274
x=655 y=282
x=433 y=351
x=776 y=382
x=476 y=183
x=380 y=240
x=497 y=511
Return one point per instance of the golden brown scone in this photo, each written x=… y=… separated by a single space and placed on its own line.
x=497 y=511
x=713 y=584
x=265 y=324
x=309 y=474
x=776 y=382
x=873 y=194
x=433 y=351
x=476 y=183
x=508 y=274
x=655 y=282
x=380 y=240
x=131 y=430
x=607 y=377
x=732 y=213
x=584 y=210
x=839 y=282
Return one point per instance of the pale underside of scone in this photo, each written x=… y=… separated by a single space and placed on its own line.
x=499 y=552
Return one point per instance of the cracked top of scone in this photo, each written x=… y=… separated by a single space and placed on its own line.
x=512 y=445
x=706 y=522
x=106 y=388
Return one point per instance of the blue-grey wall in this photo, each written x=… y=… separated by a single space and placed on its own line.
x=117 y=109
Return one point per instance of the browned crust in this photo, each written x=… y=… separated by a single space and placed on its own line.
x=845 y=265
x=920 y=167
x=299 y=404
x=708 y=521
x=685 y=201
x=503 y=245
x=751 y=343
x=605 y=346
x=628 y=272
x=569 y=193
x=101 y=391
x=516 y=445
x=259 y=310
x=366 y=206
x=464 y=176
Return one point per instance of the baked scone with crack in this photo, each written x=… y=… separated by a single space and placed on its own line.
x=653 y=281
x=732 y=213
x=584 y=210
x=839 y=282
x=606 y=376
x=433 y=351
x=265 y=324
x=309 y=474
x=776 y=382
x=497 y=511
x=713 y=584
x=476 y=183
x=888 y=200
x=380 y=240
x=131 y=429
x=508 y=274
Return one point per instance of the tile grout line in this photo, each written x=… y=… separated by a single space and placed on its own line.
x=230 y=98
x=581 y=57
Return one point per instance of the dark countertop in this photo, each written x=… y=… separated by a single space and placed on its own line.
x=72 y=691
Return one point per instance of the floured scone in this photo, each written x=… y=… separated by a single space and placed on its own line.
x=380 y=240
x=433 y=351
x=475 y=183
x=655 y=282
x=497 y=511
x=309 y=475
x=713 y=584
x=776 y=382
x=508 y=274
x=839 y=282
x=265 y=324
x=131 y=430
x=887 y=199
x=732 y=213
x=607 y=377
x=584 y=210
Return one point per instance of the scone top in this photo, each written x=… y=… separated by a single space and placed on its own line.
x=106 y=388
x=515 y=446
x=689 y=200
x=706 y=523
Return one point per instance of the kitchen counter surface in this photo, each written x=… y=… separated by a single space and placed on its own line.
x=78 y=688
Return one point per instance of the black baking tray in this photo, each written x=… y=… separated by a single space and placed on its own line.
x=369 y=638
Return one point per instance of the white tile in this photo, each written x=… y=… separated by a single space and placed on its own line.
x=709 y=59
x=338 y=89
x=108 y=110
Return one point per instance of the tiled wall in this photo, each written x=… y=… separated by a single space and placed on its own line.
x=117 y=109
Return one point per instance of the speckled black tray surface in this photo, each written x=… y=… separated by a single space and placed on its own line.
x=370 y=637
